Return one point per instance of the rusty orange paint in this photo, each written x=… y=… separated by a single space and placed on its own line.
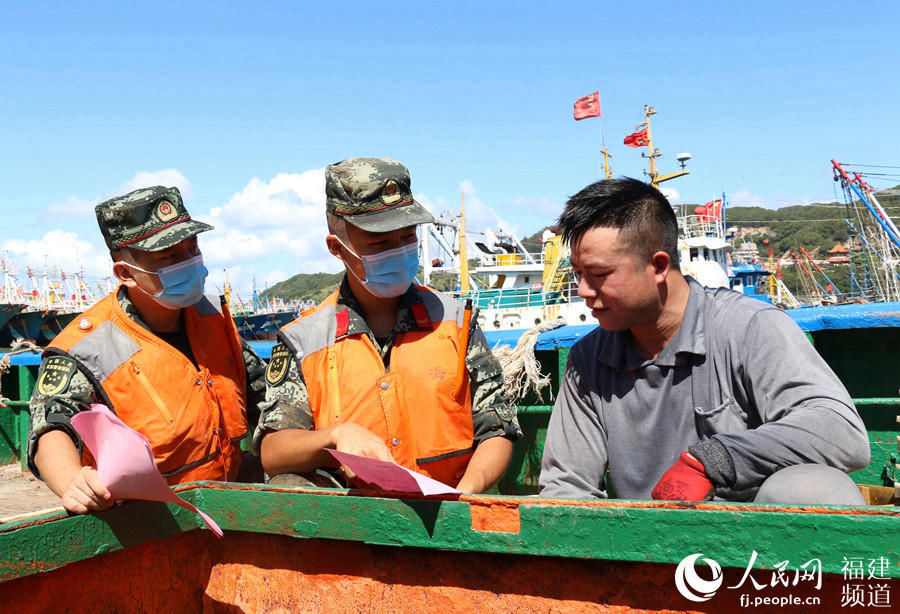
x=251 y=572
x=509 y=501
x=491 y=515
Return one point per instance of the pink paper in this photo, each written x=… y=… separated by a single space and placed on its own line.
x=125 y=461
x=391 y=476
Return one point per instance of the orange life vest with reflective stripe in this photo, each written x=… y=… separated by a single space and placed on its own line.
x=411 y=405
x=194 y=418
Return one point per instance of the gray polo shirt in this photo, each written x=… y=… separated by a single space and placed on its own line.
x=739 y=384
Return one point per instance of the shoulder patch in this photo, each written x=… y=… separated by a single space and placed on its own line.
x=56 y=373
x=279 y=365
x=420 y=313
x=343 y=323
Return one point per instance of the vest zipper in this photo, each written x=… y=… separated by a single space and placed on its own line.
x=151 y=391
x=335 y=384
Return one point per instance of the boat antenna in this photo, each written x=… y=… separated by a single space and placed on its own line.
x=655 y=177
x=605 y=153
x=463 y=255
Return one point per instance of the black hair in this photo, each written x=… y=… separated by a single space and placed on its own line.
x=640 y=212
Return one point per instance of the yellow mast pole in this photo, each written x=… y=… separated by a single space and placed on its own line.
x=606 y=158
x=771 y=279
x=463 y=257
x=655 y=177
x=227 y=291
x=648 y=111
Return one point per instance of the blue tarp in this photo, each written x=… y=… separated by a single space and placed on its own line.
x=839 y=317
x=810 y=319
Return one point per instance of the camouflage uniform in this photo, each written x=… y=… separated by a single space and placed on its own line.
x=147 y=219
x=287 y=403
x=375 y=194
x=65 y=391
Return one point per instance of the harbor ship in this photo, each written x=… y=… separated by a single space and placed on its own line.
x=338 y=550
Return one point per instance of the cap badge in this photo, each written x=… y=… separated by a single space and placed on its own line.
x=165 y=211
x=390 y=195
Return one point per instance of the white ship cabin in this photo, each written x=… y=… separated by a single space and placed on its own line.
x=702 y=247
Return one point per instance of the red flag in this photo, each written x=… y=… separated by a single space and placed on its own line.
x=637 y=139
x=715 y=208
x=588 y=106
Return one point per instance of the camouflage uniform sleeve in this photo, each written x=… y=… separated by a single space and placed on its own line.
x=256 y=383
x=493 y=413
x=61 y=391
x=286 y=405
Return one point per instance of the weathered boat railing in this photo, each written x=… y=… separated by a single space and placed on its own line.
x=507 y=552
x=865 y=359
x=360 y=552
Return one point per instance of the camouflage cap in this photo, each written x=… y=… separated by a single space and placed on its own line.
x=373 y=194
x=149 y=219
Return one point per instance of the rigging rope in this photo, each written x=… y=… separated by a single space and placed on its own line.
x=521 y=370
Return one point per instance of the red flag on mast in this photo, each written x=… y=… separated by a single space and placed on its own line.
x=637 y=139
x=588 y=106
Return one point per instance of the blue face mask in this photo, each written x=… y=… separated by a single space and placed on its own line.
x=182 y=282
x=389 y=273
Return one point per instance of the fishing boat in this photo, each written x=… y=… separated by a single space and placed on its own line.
x=511 y=287
x=8 y=311
x=39 y=314
x=336 y=550
x=515 y=289
x=260 y=320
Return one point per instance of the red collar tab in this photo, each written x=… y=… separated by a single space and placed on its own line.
x=420 y=313
x=343 y=323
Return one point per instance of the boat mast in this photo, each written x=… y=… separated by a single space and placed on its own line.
x=463 y=256
x=655 y=177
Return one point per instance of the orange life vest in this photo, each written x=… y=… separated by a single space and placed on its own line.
x=412 y=405
x=194 y=419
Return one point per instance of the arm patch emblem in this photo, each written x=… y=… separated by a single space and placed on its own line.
x=56 y=373
x=279 y=365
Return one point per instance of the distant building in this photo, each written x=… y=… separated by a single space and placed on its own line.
x=839 y=254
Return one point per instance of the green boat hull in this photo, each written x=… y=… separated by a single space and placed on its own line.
x=330 y=550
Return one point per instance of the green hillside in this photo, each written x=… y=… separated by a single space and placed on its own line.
x=816 y=227
x=306 y=286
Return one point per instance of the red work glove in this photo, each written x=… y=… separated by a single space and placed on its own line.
x=684 y=481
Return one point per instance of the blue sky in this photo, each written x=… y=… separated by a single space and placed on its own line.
x=243 y=104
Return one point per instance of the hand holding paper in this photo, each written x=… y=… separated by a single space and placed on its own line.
x=125 y=461
x=390 y=476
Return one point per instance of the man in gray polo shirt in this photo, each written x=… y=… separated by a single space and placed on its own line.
x=685 y=392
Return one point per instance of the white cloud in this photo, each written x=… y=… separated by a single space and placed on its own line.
x=80 y=244
x=745 y=198
x=273 y=277
x=76 y=207
x=167 y=177
x=269 y=228
x=671 y=195
x=439 y=207
x=61 y=252
x=289 y=200
x=268 y=231
x=481 y=217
